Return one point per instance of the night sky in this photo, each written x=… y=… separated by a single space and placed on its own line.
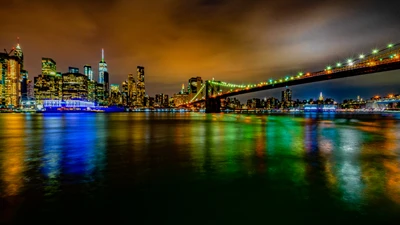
x=239 y=41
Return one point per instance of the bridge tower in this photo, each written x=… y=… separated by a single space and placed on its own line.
x=213 y=104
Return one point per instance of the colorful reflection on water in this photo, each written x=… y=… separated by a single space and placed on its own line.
x=232 y=166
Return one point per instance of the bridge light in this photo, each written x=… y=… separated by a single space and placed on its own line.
x=390 y=45
x=349 y=60
x=329 y=68
x=375 y=51
x=362 y=56
x=300 y=74
x=338 y=64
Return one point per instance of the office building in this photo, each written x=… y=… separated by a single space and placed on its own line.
x=49 y=67
x=47 y=87
x=10 y=77
x=140 y=86
x=106 y=85
x=87 y=70
x=100 y=94
x=181 y=98
x=24 y=85
x=74 y=86
x=115 y=96
x=91 y=90
x=194 y=86
x=286 y=95
x=73 y=70
x=161 y=100
x=102 y=68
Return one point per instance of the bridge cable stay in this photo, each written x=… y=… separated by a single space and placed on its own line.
x=198 y=92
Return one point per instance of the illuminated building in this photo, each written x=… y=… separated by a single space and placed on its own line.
x=194 y=86
x=132 y=92
x=48 y=85
x=181 y=98
x=321 y=98
x=286 y=95
x=73 y=70
x=140 y=86
x=124 y=93
x=100 y=94
x=74 y=86
x=91 y=90
x=49 y=67
x=161 y=100
x=87 y=70
x=115 y=97
x=18 y=53
x=102 y=68
x=24 y=85
x=10 y=77
x=106 y=85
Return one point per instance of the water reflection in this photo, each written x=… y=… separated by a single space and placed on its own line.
x=12 y=157
x=319 y=162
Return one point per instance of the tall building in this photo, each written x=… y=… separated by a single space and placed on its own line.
x=161 y=100
x=87 y=70
x=10 y=77
x=91 y=90
x=115 y=97
x=106 y=85
x=140 y=86
x=74 y=86
x=49 y=67
x=48 y=85
x=73 y=70
x=102 y=68
x=321 y=98
x=18 y=53
x=132 y=92
x=286 y=95
x=24 y=85
x=194 y=86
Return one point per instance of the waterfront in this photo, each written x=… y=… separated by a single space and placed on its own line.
x=195 y=168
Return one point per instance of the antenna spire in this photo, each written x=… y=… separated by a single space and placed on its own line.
x=102 y=54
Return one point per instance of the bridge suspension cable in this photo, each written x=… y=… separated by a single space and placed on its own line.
x=388 y=54
x=198 y=92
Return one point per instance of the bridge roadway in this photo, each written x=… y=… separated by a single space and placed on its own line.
x=213 y=102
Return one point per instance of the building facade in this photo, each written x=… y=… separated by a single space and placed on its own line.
x=102 y=68
x=10 y=80
x=74 y=87
x=73 y=70
x=140 y=86
x=87 y=70
x=194 y=86
x=49 y=67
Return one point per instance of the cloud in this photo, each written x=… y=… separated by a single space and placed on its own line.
x=231 y=40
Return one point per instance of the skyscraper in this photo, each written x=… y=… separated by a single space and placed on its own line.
x=10 y=76
x=106 y=85
x=49 y=67
x=194 y=86
x=48 y=85
x=102 y=68
x=140 y=86
x=87 y=70
x=73 y=70
x=286 y=95
x=132 y=92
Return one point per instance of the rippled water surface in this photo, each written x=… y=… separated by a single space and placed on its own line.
x=194 y=168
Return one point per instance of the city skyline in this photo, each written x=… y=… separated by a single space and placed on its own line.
x=180 y=52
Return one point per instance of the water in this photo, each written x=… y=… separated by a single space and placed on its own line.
x=198 y=168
